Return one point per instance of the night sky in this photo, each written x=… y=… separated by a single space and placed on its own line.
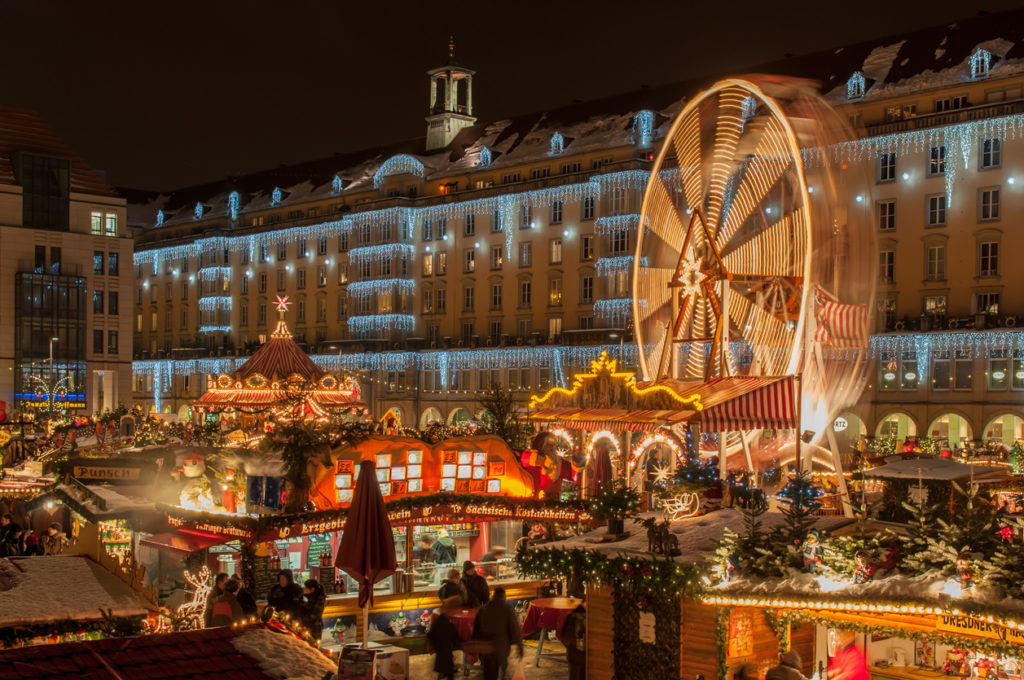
x=163 y=95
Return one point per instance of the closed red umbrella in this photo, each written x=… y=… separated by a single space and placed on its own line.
x=602 y=469
x=367 y=550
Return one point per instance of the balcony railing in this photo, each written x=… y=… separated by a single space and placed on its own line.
x=930 y=120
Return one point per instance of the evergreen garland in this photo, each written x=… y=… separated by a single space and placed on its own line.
x=633 y=658
x=666 y=577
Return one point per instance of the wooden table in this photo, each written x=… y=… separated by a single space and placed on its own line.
x=546 y=614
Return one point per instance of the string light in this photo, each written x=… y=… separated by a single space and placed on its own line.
x=197 y=213
x=376 y=322
x=276 y=196
x=337 y=185
x=557 y=144
x=364 y=289
x=397 y=165
x=219 y=303
x=381 y=252
x=616 y=310
x=214 y=273
x=855 y=86
x=981 y=60
x=159 y=218
x=606 y=226
x=215 y=329
x=234 y=202
x=610 y=266
x=643 y=127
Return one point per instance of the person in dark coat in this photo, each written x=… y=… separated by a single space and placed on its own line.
x=245 y=599
x=788 y=668
x=444 y=548
x=226 y=609
x=423 y=552
x=55 y=540
x=211 y=600
x=313 y=608
x=32 y=546
x=10 y=536
x=444 y=639
x=573 y=635
x=476 y=585
x=497 y=624
x=453 y=592
x=286 y=596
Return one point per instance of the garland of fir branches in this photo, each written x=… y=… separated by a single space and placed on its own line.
x=666 y=577
x=994 y=647
x=722 y=640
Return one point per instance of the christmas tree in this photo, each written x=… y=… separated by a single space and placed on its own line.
x=748 y=554
x=934 y=543
x=1003 y=572
x=800 y=499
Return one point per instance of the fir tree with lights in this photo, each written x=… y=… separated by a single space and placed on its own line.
x=1003 y=573
x=935 y=544
x=747 y=554
x=800 y=499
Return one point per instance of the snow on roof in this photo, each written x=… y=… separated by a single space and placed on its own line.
x=282 y=655
x=58 y=587
x=936 y=469
x=698 y=536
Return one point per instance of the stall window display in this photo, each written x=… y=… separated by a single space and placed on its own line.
x=895 y=658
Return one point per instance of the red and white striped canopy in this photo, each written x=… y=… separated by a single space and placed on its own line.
x=612 y=419
x=749 y=403
x=839 y=325
x=280 y=358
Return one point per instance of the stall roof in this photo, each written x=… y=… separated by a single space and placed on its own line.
x=255 y=652
x=615 y=419
x=44 y=589
x=184 y=542
x=941 y=469
x=698 y=536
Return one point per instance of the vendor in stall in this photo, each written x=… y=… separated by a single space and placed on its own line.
x=476 y=585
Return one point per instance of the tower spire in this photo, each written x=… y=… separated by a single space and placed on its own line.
x=451 y=48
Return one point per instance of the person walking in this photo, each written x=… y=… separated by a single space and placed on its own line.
x=226 y=609
x=573 y=635
x=444 y=639
x=453 y=592
x=10 y=536
x=476 y=585
x=313 y=608
x=849 y=662
x=211 y=600
x=286 y=596
x=497 y=625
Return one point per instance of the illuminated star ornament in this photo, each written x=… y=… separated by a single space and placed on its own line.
x=281 y=303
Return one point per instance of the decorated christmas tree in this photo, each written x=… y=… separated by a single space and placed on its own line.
x=800 y=499
x=1004 y=570
x=935 y=544
x=748 y=554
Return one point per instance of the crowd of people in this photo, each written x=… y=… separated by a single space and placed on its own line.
x=15 y=541
x=230 y=601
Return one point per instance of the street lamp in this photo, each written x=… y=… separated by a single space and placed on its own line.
x=621 y=337
x=52 y=340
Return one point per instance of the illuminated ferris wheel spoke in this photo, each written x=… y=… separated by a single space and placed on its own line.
x=728 y=129
x=687 y=144
x=775 y=251
x=664 y=220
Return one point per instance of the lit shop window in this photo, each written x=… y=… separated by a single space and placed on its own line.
x=400 y=474
x=467 y=472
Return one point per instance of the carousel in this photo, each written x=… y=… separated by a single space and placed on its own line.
x=281 y=381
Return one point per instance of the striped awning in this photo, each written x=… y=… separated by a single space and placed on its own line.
x=749 y=403
x=280 y=358
x=257 y=398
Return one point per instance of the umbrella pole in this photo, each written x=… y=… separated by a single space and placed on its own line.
x=366 y=625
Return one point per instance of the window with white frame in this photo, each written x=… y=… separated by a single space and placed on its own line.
x=887 y=312
x=586 y=289
x=442 y=300
x=525 y=294
x=887 y=166
x=496 y=221
x=980 y=62
x=497 y=256
x=986 y=303
x=934 y=305
x=887 y=215
x=525 y=216
x=988 y=258
x=555 y=251
x=441 y=264
x=495 y=296
x=988 y=205
x=524 y=327
x=991 y=153
x=618 y=201
x=587 y=209
x=887 y=266
x=555 y=291
x=554 y=327
x=469 y=227
x=469 y=260
x=937 y=161
x=587 y=248
x=998 y=369
x=556 y=212
x=468 y=298
x=619 y=242
x=525 y=254
x=935 y=262
x=936 y=210
x=428 y=301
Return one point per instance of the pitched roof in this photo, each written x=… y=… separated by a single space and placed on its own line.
x=23 y=130
x=913 y=61
x=209 y=653
x=280 y=358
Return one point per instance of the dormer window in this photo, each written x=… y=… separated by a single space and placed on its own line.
x=198 y=212
x=159 y=218
x=336 y=185
x=557 y=143
x=643 y=127
x=981 y=60
x=276 y=197
x=485 y=157
x=855 y=86
x=234 y=201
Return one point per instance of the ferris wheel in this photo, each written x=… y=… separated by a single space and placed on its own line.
x=740 y=240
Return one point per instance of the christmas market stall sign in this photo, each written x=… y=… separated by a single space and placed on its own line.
x=425 y=510
x=112 y=470
x=969 y=625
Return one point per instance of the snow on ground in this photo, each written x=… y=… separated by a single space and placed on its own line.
x=282 y=655
x=56 y=587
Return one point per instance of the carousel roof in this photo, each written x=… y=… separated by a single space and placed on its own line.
x=280 y=358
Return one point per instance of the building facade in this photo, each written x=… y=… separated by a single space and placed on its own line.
x=65 y=276
x=502 y=252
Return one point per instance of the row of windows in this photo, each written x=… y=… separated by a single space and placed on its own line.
x=951 y=371
x=936 y=305
x=112 y=267
x=97 y=342
x=935 y=262
x=990 y=156
x=935 y=209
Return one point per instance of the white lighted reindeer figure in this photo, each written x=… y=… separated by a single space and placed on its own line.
x=193 y=612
